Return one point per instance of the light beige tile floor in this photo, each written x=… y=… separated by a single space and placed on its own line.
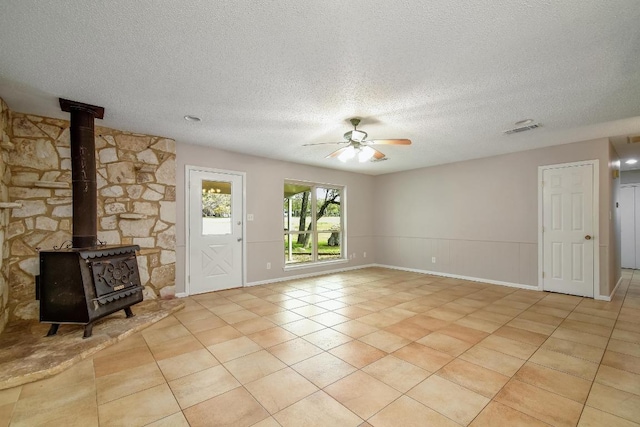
x=371 y=347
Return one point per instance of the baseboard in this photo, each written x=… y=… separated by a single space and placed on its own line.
x=457 y=276
x=304 y=276
x=413 y=270
x=610 y=296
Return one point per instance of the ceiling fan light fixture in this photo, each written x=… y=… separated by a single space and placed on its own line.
x=365 y=154
x=347 y=154
x=358 y=146
x=358 y=135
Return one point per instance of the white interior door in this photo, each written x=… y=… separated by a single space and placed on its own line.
x=215 y=231
x=567 y=234
x=628 y=209
x=637 y=224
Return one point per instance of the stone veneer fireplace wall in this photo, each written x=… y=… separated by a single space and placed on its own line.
x=136 y=203
x=5 y=174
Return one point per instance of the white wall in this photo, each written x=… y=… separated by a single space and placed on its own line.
x=479 y=218
x=630 y=177
x=264 y=196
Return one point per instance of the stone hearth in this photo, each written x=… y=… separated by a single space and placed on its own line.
x=28 y=355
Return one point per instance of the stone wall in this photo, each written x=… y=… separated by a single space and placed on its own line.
x=5 y=121
x=136 y=202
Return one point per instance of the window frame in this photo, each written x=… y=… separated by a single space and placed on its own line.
x=314 y=231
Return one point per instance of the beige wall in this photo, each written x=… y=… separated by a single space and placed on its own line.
x=264 y=196
x=479 y=218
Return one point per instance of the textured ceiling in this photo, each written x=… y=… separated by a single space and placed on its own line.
x=267 y=77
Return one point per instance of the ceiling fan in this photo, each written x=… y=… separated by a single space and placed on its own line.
x=358 y=145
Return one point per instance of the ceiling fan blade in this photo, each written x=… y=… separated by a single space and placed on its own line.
x=324 y=143
x=377 y=155
x=389 y=142
x=336 y=153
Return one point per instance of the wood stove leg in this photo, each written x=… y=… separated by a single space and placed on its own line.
x=53 y=329
x=128 y=312
x=88 y=330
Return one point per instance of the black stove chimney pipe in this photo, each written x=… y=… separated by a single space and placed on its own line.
x=83 y=171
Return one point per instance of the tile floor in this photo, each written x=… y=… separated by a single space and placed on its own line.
x=369 y=347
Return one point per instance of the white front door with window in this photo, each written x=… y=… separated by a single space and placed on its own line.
x=568 y=221
x=215 y=230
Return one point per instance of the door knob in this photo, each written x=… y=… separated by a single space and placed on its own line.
x=240 y=239
x=587 y=237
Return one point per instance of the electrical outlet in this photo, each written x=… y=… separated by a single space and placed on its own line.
x=364 y=255
x=249 y=217
x=268 y=266
x=433 y=260
x=354 y=255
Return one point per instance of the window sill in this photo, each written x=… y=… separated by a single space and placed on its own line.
x=306 y=265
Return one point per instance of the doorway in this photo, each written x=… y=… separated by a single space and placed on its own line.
x=568 y=244
x=630 y=226
x=215 y=230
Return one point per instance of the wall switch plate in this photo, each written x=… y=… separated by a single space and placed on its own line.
x=249 y=217
x=268 y=266
x=433 y=260
x=364 y=255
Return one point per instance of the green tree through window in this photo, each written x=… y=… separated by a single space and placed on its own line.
x=313 y=222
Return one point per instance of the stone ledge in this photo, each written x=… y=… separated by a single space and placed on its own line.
x=51 y=184
x=29 y=355
x=10 y=205
x=132 y=216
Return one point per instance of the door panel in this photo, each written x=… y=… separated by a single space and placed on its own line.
x=568 y=243
x=628 y=230
x=215 y=231
x=636 y=221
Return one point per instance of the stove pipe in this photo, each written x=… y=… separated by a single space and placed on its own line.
x=83 y=171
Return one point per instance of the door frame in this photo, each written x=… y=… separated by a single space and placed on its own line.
x=596 y=221
x=187 y=172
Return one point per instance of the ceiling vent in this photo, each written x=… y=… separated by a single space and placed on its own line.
x=633 y=139
x=523 y=128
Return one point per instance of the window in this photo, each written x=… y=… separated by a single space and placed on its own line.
x=216 y=207
x=313 y=223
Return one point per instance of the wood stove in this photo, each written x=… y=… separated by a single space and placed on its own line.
x=87 y=280
x=82 y=285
